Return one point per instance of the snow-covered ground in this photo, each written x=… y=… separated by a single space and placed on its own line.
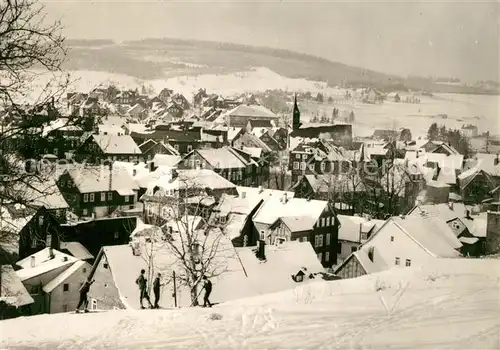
x=453 y=304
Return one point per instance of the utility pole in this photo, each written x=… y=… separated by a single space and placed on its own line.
x=175 y=290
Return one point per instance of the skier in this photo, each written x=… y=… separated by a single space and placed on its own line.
x=208 y=289
x=141 y=282
x=156 y=290
x=84 y=289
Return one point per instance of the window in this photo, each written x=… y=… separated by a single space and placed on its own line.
x=408 y=262
x=126 y=199
x=297 y=156
x=318 y=241
x=48 y=240
x=303 y=166
x=392 y=238
x=311 y=167
x=222 y=219
x=110 y=196
x=353 y=249
x=116 y=235
x=91 y=197
x=56 y=151
x=320 y=257
x=35 y=289
x=304 y=156
x=327 y=239
x=322 y=166
x=323 y=222
x=327 y=256
x=84 y=270
x=396 y=262
x=176 y=147
x=189 y=148
x=40 y=220
x=34 y=243
x=85 y=212
x=299 y=277
x=85 y=197
x=105 y=265
x=103 y=196
x=197 y=163
x=66 y=287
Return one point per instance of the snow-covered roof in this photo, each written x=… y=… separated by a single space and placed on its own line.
x=97 y=179
x=166 y=160
x=193 y=178
x=12 y=289
x=262 y=193
x=444 y=211
x=255 y=152
x=351 y=227
x=114 y=144
x=237 y=204
x=253 y=111
x=53 y=284
x=275 y=207
x=433 y=234
x=43 y=263
x=283 y=261
x=77 y=250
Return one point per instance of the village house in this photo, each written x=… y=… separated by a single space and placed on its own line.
x=195 y=189
x=469 y=130
x=475 y=184
x=99 y=148
x=94 y=234
x=165 y=94
x=53 y=280
x=468 y=228
x=402 y=242
x=493 y=223
x=150 y=148
x=237 y=167
x=304 y=220
x=17 y=299
x=241 y=115
x=137 y=112
x=96 y=192
x=180 y=101
x=60 y=138
x=127 y=97
x=353 y=231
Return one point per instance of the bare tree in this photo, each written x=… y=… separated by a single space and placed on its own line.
x=193 y=238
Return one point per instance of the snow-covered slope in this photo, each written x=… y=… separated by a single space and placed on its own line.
x=453 y=304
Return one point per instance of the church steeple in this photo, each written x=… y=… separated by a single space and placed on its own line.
x=296 y=115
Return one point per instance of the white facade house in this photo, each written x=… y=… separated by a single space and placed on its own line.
x=402 y=242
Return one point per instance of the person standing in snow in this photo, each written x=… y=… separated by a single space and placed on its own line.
x=207 y=285
x=141 y=282
x=156 y=290
x=84 y=289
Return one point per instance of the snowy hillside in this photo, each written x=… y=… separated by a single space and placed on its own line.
x=452 y=305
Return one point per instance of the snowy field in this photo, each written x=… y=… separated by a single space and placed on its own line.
x=452 y=305
x=480 y=110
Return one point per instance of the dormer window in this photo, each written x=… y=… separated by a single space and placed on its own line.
x=222 y=219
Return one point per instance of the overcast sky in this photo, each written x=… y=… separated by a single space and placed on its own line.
x=426 y=38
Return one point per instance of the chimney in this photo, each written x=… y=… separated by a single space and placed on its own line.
x=51 y=253
x=467 y=214
x=360 y=230
x=285 y=198
x=243 y=195
x=32 y=261
x=497 y=160
x=65 y=258
x=450 y=205
x=261 y=252
x=260 y=189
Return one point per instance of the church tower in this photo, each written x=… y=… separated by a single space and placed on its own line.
x=296 y=115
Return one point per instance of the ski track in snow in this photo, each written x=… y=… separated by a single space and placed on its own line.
x=443 y=312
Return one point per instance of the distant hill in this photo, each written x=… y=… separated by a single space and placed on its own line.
x=162 y=58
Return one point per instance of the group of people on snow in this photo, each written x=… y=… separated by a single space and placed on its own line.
x=141 y=281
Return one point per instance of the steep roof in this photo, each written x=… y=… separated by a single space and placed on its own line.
x=444 y=211
x=114 y=144
x=13 y=290
x=351 y=227
x=43 y=263
x=281 y=263
x=222 y=158
x=53 y=284
x=77 y=250
x=299 y=223
x=275 y=207
x=198 y=178
x=96 y=179
x=433 y=234
x=253 y=111
x=262 y=193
